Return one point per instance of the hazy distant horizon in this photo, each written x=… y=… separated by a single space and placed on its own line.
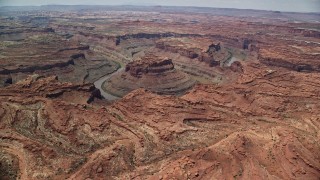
x=273 y=5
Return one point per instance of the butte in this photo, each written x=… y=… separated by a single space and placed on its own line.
x=151 y=72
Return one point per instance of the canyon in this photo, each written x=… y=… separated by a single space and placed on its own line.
x=153 y=73
x=130 y=92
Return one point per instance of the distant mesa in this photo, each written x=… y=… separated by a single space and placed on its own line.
x=151 y=72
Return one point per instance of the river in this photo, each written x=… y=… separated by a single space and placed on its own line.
x=233 y=59
x=98 y=84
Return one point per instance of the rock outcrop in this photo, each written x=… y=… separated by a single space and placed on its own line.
x=200 y=50
x=153 y=73
x=149 y=65
x=50 y=87
x=289 y=58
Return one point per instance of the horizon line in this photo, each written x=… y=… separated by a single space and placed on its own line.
x=269 y=10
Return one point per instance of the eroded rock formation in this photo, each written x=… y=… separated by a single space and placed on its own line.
x=199 y=49
x=154 y=73
x=253 y=115
x=149 y=65
x=213 y=131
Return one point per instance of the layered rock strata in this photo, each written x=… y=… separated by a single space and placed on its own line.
x=153 y=73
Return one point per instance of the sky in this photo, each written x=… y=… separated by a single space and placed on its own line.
x=276 y=5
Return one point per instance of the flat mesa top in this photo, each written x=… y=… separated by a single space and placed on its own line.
x=147 y=63
x=150 y=60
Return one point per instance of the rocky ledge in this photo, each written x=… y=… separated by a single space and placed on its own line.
x=51 y=88
x=149 y=64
